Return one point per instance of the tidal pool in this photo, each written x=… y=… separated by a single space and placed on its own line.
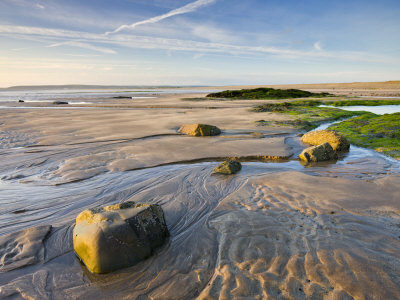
x=379 y=110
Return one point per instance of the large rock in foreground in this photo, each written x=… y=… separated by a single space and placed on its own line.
x=118 y=236
x=338 y=142
x=228 y=167
x=318 y=153
x=199 y=130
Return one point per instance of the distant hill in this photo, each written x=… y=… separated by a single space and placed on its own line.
x=393 y=84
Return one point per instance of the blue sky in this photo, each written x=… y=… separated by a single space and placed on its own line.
x=203 y=42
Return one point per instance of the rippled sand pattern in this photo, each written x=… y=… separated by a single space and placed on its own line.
x=280 y=242
x=279 y=236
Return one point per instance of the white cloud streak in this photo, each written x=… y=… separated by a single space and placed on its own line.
x=179 y=11
x=57 y=37
x=85 y=46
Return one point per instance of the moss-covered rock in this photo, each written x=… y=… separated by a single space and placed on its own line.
x=118 y=236
x=266 y=93
x=228 y=167
x=199 y=130
x=323 y=152
x=338 y=142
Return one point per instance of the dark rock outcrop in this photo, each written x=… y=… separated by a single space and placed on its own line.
x=323 y=152
x=228 y=167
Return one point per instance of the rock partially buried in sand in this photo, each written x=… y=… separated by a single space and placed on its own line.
x=338 y=142
x=228 y=167
x=199 y=130
x=60 y=102
x=323 y=152
x=118 y=236
x=257 y=135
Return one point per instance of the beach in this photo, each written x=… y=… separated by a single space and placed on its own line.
x=275 y=230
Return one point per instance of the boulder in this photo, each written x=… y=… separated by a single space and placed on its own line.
x=21 y=101
x=199 y=130
x=257 y=135
x=318 y=153
x=60 y=102
x=118 y=236
x=338 y=142
x=228 y=167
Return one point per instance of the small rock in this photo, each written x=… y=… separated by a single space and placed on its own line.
x=228 y=167
x=338 y=142
x=257 y=134
x=60 y=102
x=21 y=101
x=318 y=153
x=199 y=130
x=118 y=236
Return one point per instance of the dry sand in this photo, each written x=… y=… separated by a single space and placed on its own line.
x=275 y=230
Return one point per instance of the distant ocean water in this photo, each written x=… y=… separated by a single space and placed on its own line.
x=35 y=95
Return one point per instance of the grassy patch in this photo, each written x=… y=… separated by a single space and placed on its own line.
x=362 y=102
x=266 y=93
x=307 y=115
x=381 y=133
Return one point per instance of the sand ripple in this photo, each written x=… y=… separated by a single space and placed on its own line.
x=283 y=235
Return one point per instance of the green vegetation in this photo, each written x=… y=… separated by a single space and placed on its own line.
x=266 y=93
x=362 y=102
x=307 y=114
x=381 y=133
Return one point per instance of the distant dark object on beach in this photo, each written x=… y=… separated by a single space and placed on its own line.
x=266 y=93
x=122 y=97
x=60 y=102
x=21 y=101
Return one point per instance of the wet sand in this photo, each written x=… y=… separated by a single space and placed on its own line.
x=275 y=230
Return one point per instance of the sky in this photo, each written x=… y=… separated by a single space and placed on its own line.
x=203 y=42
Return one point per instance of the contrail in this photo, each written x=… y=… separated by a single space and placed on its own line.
x=179 y=11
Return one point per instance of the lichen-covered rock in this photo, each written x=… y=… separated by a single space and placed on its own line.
x=118 y=236
x=228 y=167
x=199 y=130
x=338 y=142
x=318 y=153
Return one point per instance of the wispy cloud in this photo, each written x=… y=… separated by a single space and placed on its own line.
x=85 y=46
x=179 y=11
x=317 y=46
x=88 y=40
